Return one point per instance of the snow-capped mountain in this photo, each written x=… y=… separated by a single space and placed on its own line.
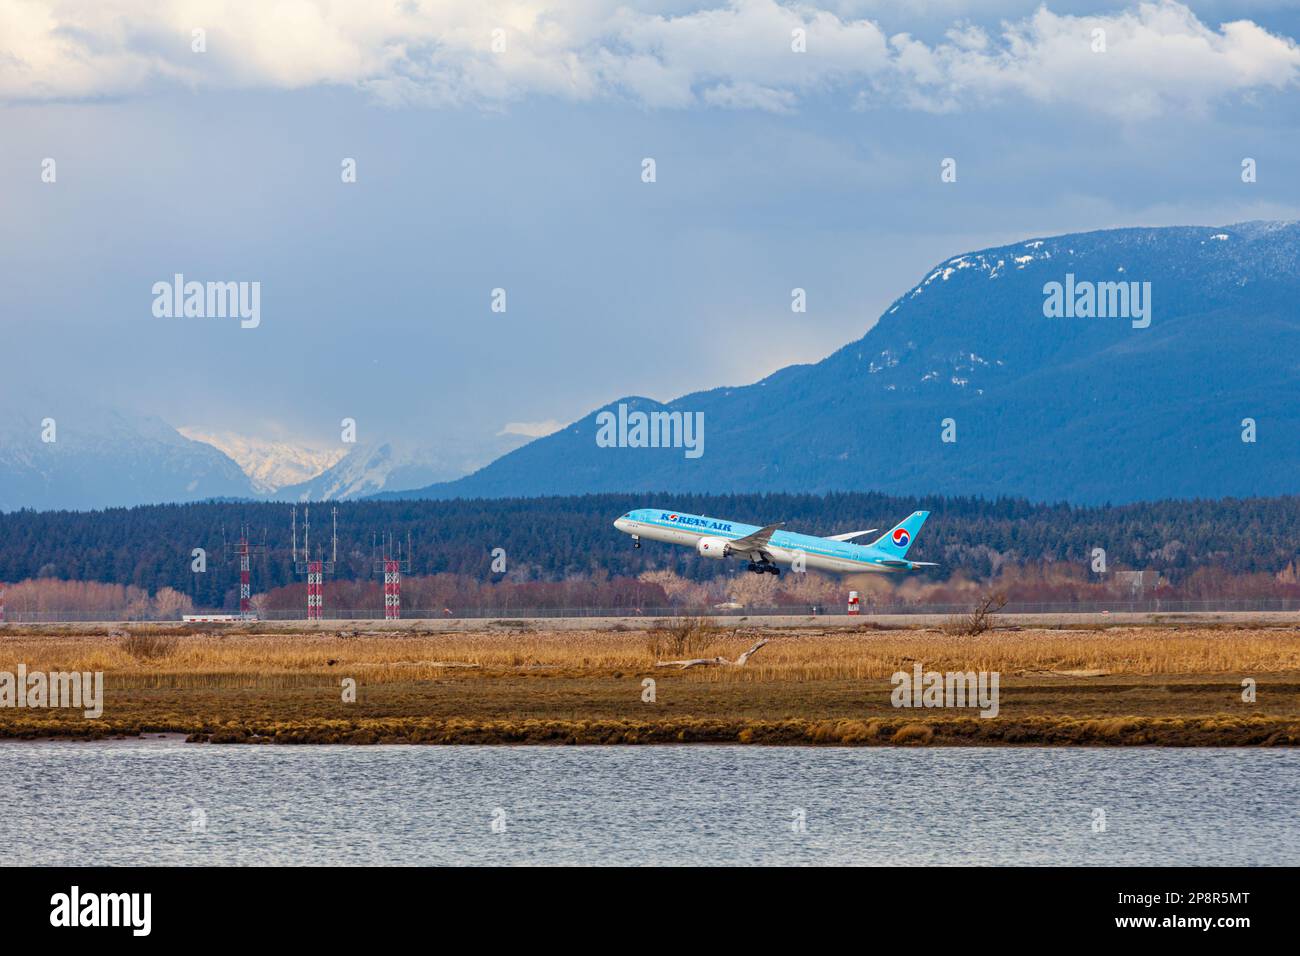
x=67 y=451
x=71 y=452
x=270 y=465
x=394 y=466
x=972 y=382
x=1171 y=373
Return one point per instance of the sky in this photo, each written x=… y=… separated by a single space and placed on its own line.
x=522 y=169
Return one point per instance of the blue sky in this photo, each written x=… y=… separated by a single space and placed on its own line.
x=522 y=170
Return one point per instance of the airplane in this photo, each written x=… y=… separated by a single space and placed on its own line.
x=767 y=546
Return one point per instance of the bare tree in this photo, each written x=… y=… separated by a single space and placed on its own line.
x=169 y=604
x=683 y=635
x=980 y=618
x=260 y=604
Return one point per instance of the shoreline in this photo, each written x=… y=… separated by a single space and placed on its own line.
x=1055 y=732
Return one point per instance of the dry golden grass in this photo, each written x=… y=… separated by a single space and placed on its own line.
x=913 y=734
x=791 y=656
x=941 y=730
x=149 y=646
x=1122 y=686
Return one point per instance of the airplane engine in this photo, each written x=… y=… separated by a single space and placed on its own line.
x=712 y=547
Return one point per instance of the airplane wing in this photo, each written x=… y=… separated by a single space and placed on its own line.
x=850 y=535
x=756 y=541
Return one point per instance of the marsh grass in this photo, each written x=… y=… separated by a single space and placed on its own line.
x=807 y=655
x=810 y=686
x=949 y=731
x=149 y=646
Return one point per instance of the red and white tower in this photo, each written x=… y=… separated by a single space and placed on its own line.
x=314 y=568
x=392 y=591
x=245 y=552
x=2 y=604
x=315 y=585
x=245 y=586
x=393 y=566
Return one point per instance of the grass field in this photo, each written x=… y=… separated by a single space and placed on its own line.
x=514 y=683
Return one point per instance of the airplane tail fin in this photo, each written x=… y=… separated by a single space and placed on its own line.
x=899 y=538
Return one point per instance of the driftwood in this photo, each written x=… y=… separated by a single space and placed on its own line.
x=710 y=661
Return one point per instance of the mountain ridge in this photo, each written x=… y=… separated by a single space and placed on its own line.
x=1085 y=409
x=65 y=451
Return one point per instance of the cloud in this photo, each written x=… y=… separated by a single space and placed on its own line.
x=532 y=429
x=1159 y=56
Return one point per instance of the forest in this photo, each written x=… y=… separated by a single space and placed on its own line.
x=564 y=551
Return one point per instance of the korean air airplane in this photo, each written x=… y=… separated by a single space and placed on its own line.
x=766 y=547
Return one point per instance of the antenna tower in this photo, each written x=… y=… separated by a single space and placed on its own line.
x=315 y=568
x=388 y=559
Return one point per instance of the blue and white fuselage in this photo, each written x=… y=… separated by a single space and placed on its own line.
x=766 y=547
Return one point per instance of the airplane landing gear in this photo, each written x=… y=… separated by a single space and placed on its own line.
x=765 y=567
x=636 y=541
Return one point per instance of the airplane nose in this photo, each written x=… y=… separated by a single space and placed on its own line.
x=620 y=524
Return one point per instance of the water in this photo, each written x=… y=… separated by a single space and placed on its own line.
x=164 y=801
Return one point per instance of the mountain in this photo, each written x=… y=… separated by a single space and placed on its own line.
x=269 y=465
x=104 y=457
x=101 y=457
x=1084 y=409
x=364 y=470
x=390 y=466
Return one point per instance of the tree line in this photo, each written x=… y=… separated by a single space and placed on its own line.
x=570 y=539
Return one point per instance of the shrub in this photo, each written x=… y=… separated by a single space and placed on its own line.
x=980 y=618
x=914 y=734
x=149 y=647
x=682 y=637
